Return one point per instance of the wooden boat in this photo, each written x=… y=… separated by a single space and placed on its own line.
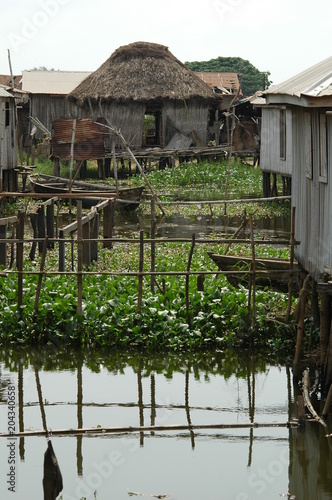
x=268 y=272
x=49 y=184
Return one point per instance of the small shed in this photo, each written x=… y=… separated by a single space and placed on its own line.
x=144 y=91
x=48 y=91
x=302 y=132
x=8 y=143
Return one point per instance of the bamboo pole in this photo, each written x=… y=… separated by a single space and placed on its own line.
x=71 y=160
x=131 y=154
x=306 y=396
x=140 y=271
x=300 y=325
x=40 y=277
x=19 y=257
x=188 y=275
x=239 y=229
x=153 y=244
x=290 y=282
x=253 y=270
x=150 y=428
x=106 y=194
x=41 y=403
x=115 y=170
x=79 y=258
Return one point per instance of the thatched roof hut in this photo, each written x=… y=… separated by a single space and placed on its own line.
x=143 y=80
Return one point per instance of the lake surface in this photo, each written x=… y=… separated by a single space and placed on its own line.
x=122 y=389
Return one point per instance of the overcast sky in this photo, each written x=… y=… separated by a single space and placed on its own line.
x=283 y=37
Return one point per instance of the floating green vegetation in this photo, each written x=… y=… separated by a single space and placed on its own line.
x=217 y=317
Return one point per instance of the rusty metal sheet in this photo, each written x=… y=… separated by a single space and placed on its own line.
x=89 y=140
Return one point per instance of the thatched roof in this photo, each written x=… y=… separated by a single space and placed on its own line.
x=142 y=72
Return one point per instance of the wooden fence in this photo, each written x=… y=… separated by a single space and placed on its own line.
x=86 y=229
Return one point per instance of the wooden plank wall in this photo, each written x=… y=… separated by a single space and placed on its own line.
x=270 y=160
x=8 y=145
x=311 y=194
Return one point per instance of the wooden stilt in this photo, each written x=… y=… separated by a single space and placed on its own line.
x=187 y=275
x=153 y=244
x=79 y=258
x=290 y=282
x=140 y=270
x=300 y=326
x=327 y=404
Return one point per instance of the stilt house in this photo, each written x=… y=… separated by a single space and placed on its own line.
x=8 y=143
x=47 y=92
x=144 y=91
x=298 y=133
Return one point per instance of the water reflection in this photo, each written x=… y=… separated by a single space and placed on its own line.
x=178 y=226
x=71 y=390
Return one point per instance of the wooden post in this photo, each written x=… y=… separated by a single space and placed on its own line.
x=71 y=159
x=94 y=237
x=33 y=220
x=19 y=258
x=40 y=277
x=50 y=223
x=301 y=410
x=274 y=191
x=153 y=244
x=140 y=270
x=200 y=282
x=327 y=404
x=3 y=246
x=325 y=322
x=193 y=241
x=62 y=251
x=86 y=244
x=56 y=166
x=253 y=270
x=290 y=281
x=41 y=226
x=79 y=258
x=108 y=223
x=300 y=326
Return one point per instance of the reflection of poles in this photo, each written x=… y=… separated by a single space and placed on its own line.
x=79 y=454
x=52 y=480
x=153 y=401
x=251 y=400
x=140 y=403
x=20 y=408
x=186 y=398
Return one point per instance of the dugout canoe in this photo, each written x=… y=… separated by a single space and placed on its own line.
x=268 y=272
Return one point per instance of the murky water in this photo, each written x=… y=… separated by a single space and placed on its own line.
x=127 y=390
x=176 y=226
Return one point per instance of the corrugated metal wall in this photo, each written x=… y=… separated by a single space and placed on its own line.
x=311 y=192
x=8 y=145
x=270 y=160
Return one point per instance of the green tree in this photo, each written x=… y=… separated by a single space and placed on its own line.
x=251 y=79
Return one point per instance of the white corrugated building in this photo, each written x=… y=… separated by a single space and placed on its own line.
x=297 y=139
x=48 y=91
x=8 y=143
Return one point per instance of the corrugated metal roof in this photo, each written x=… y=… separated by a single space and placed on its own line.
x=222 y=81
x=4 y=93
x=315 y=81
x=52 y=82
